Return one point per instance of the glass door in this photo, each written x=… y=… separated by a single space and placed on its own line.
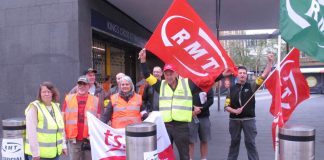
x=99 y=59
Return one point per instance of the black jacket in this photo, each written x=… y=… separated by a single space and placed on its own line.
x=150 y=99
x=210 y=100
x=246 y=91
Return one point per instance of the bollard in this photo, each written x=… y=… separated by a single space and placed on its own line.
x=14 y=128
x=297 y=142
x=14 y=131
x=141 y=142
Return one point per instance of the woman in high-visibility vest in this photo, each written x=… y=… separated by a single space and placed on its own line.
x=45 y=126
x=125 y=107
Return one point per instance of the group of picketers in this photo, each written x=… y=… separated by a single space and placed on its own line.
x=184 y=108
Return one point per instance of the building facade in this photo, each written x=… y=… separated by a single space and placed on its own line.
x=56 y=40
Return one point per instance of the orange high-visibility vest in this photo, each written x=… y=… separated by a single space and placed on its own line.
x=125 y=113
x=141 y=89
x=71 y=115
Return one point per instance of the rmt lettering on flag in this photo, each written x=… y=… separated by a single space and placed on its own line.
x=183 y=39
x=194 y=49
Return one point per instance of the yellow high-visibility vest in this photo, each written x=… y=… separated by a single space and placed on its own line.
x=176 y=105
x=49 y=130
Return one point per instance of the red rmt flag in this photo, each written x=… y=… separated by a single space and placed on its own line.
x=274 y=88
x=184 y=40
x=287 y=90
x=294 y=88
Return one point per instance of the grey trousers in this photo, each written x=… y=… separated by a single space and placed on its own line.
x=179 y=134
x=75 y=151
x=250 y=132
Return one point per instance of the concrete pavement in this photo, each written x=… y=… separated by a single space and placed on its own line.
x=307 y=113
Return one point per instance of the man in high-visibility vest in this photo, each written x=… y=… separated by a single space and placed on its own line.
x=94 y=87
x=175 y=103
x=76 y=127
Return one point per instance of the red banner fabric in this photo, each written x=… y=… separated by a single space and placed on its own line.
x=287 y=89
x=294 y=88
x=274 y=88
x=184 y=40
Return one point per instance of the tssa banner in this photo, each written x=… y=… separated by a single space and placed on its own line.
x=108 y=143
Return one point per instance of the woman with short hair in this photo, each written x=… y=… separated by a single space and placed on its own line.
x=125 y=107
x=45 y=126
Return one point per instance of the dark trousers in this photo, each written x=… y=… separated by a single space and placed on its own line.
x=75 y=151
x=55 y=158
x=250 y=132
x=179 y=134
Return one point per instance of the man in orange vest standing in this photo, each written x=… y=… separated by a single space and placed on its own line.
x=94 y=87
x=76 y=127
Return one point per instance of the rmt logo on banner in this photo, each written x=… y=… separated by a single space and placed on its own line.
x=173 y=27
x=184 y=40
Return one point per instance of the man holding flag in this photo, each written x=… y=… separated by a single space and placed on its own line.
x=175 y=103
x=240 y=102
x=184 y=42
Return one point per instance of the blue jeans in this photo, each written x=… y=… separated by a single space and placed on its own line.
x=55 y=158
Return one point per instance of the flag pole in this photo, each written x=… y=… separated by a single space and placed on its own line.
x=258 y=88
x=266 y=79
x=277 y=128
x=217 y=36
x=277 y=68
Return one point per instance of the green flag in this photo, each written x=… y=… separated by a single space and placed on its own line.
x=302 y=25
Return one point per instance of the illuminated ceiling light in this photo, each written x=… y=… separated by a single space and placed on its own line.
x=98 y=48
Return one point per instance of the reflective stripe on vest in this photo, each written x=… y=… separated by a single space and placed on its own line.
x=125 y=113
x=176 y=105
x=71 y=115
x=42 y=144
x=49 y=131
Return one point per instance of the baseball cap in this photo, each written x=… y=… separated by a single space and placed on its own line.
x=83 y=79
x=90 y=70
x=168 y=67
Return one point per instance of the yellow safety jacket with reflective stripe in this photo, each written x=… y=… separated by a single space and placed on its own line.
x=49 y=130
x=176 y=105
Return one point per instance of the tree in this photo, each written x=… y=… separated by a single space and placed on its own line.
x=251 y=52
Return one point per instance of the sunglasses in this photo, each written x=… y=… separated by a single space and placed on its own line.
x=82 y=83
